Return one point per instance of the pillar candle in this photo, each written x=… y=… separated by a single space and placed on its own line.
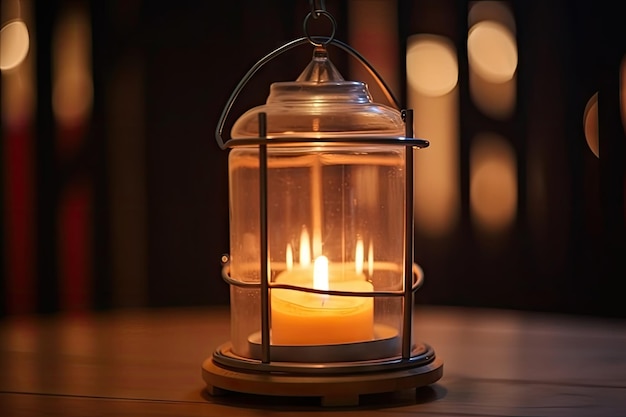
x=302 y=318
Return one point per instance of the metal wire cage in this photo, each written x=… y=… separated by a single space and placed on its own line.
x=321 y=268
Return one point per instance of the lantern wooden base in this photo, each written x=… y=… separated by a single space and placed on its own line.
x=334 y=390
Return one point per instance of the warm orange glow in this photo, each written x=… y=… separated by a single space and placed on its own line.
x=367 y=188
x=495 y=100
x=436 y=182
x=320 y=274
x=305 y=248
x=302 y=318
x=14 y=44
x=432 y=67
x=494 y=10
x=317 y=242
x=492 y=51
x=493 y=183
x=359 y=256
x=289 y=257
x=316 y=125
x=18 y=93
x=590 y=122
x=370 y=259
x=72 y=83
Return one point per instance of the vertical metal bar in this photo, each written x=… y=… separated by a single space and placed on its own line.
x=407 y=323
x=265 y=301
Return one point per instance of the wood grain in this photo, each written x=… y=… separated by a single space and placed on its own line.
x=148 y=362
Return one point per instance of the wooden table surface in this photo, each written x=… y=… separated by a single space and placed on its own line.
x=148 y=363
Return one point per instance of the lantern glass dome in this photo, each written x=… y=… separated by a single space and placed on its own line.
x=320 y=103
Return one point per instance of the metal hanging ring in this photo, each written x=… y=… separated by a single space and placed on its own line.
x=315 y=14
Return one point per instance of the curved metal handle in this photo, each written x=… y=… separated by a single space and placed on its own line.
x=286 y=47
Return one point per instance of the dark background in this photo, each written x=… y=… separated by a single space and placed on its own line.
x=190 y=55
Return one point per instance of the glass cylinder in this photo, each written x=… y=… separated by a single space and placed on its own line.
x=335 y=218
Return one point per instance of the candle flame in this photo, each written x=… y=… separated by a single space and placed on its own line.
x=305 y=248
x=289 y=260
x=320 y=273
x=358 y=256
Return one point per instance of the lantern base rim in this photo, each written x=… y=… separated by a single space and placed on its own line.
x=333 y=389
x=225 y=356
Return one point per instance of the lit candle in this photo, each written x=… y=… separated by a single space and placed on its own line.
x=302 y=318
x=358 y=255
x=289 y=258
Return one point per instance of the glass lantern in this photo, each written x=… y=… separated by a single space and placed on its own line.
x=321 y=269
